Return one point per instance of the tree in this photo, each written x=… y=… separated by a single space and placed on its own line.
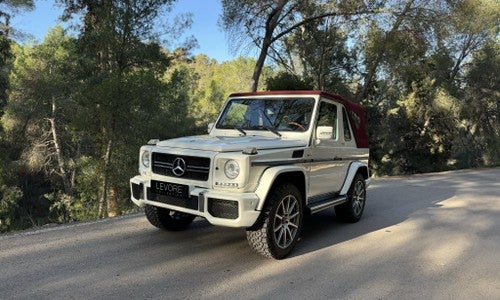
x=210 y=83
x=418 y=87
x=265 y=22
x=7 y=8
x=39 y=109
x=122 y=65
x=287 y=81
x=41 y=82
x=376 y=53
x=320 y=51
x=481 y=111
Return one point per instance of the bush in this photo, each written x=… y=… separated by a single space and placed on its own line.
x=8 y=206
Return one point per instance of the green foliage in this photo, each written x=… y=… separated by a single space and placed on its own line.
x=481 y=113
x=287 y=81
x=85 y=205
x=7 y=9
x=434 y=115
x=208 y=84
x=8 y=206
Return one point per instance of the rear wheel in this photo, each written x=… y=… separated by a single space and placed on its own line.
x=168 y=219
x=280 y=227
x=352 y=210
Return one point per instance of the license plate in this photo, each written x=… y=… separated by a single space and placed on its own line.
x=170 y=189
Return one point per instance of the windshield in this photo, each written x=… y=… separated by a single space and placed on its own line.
x=284 y=114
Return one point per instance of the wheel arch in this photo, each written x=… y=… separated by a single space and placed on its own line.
x=275 y=176
x=355 y=168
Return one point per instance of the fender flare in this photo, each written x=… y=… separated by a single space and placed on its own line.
x=267 y=179
x=353 y=170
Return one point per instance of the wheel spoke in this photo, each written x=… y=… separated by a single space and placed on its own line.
x=280 y=234
x=280 y=210
x=284 y=238
x=294 y=215
x=291 y=209
x=287 y=205
x=292 y=233
x=358 y=188
x=356 y=208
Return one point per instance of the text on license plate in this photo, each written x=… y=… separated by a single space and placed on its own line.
x=170 y=189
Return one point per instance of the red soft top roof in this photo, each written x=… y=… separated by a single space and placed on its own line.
x=358 y=126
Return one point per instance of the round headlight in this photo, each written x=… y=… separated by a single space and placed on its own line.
x=231 y=169
x=146 y=158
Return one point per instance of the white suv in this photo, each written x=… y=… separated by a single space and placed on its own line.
x=270 y=158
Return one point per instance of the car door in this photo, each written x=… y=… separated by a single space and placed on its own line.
x=327 y=166
x=345 y=150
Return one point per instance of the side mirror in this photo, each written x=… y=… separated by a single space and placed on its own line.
x=210 y=127
x=324 y=133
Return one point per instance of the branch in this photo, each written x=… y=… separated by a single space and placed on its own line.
x=279 y=59
x=328 y=14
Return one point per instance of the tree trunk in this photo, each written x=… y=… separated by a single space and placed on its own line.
x=68 y=190
x=103 y=201
x=271 y=23
x=260 y=64
x=113 y=209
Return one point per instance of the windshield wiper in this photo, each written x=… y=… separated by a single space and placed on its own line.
x=240 y=130
x=273 y=130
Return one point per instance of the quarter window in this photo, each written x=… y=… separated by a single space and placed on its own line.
x=347 y=129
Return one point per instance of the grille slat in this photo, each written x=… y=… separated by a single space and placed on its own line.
x=197 y=168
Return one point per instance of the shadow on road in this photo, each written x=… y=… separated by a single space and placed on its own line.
x=389 y=203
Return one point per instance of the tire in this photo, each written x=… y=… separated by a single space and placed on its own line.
x=168 y=219
x=352 y=210
x=279 y=228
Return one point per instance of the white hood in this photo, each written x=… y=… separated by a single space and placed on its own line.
x=229 y=144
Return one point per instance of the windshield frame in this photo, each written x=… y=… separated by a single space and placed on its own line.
x=268 y=114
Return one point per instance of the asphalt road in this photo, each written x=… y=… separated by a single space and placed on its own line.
x=433 y=236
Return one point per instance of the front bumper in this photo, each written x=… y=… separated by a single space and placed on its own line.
x=218 y=207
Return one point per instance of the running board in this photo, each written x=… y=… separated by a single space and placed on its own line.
x=319 y=206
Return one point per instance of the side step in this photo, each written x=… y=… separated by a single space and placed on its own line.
x=322 y=205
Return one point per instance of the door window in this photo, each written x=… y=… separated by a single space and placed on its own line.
x=328 y=116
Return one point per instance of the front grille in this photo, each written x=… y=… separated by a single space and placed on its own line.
x=223 y=208
x=191 y=202
x=197 y=168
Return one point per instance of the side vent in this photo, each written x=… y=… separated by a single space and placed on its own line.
x=298 y=153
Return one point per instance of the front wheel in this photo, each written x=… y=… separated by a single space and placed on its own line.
x=352 y=210
x=168 y=219
x=279 y=230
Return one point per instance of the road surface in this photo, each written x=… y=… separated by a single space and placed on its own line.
x=433 y=236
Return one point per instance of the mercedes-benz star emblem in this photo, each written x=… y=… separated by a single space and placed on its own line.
x=179 y=167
